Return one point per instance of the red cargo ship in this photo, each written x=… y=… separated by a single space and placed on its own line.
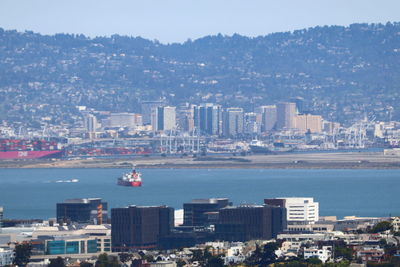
x=29 y=149
x=132 y=178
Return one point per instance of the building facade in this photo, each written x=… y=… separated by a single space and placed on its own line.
x=83 y=210
x=197 y=212
x=286 y=113
x=148 y=107
x=299 y=210
x=164 y=119
x=233 y=122
x=208 y=118
x=308 y=123
x=249 y=222
x=137 y=227
x=268 y=117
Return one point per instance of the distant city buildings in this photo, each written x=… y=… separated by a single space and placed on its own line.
x=208 y=119
x=233 y=122
x=268 y=117
x=286 y=113
x=148 y=108
x=82 y=210
x=123 y=119
x=164 y=119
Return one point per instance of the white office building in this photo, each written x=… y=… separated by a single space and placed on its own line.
x=6 y=256
x=298 y=210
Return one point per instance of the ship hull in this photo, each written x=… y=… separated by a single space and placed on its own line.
x=131 y=184
x=31 y=154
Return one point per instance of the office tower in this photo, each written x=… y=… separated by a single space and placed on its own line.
x=308 y=123
x=286 y=113
x=300 y=106
x=83 y=210
x=91 y=123
x=299 y=210
x=197 y=212
x=251 y=124
x=207 y=119
x=248 y=222
x=137 y=227
x=233 y=122
x=124 y=119
x=267 y=117
x=164 y=119
x=148 y=107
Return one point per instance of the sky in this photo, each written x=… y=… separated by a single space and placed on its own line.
x=178 y=20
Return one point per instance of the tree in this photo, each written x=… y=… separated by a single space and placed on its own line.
x=124 y=257
x=343 y=252
x=57 y=262
x=215 y=261
x=85 y=264
x=381 y=227
x=104 y=261
x=22 y=254
x=268 y=255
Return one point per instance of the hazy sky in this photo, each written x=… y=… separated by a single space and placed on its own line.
x=178 y=20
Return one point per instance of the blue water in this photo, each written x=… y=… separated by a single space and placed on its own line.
x=33 y=193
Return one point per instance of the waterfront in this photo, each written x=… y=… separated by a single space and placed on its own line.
x=33 y=193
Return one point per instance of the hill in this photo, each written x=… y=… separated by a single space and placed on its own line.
x=343 y=73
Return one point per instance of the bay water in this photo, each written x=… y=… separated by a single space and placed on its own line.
x=33 y=193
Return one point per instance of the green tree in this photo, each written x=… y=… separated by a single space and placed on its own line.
x=215 y=261
x=104 y=261
x=22 y=254
x=124 y=257
x=57 y=262
x=343 y=252
x=85 y=264
x=381 y=227
x=268 y=254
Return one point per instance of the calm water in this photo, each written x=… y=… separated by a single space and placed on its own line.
x=33 y=193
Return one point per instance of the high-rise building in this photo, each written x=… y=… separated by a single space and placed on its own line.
x=148 y=107
x=196 y=213
x=207 y=119
x=300 y=106
x=299 y=210
x=251 y=124
x=82 y=210
x=91 y=123
x=267 y=117
x=164 y=119
x=233 y=120
x=286 y=113
x=308 y=123
x=248 y=222
x=137 y=227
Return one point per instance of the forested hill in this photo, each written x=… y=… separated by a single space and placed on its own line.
x=344 y=73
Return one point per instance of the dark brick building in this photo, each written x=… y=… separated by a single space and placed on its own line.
x=137 y=227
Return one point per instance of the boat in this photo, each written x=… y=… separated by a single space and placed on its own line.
x=29 y=149
x=259 y=147
x=132 y=178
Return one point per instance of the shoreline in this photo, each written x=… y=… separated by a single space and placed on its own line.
x=342 y=160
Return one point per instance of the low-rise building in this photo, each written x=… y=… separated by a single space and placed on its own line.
x=323 y=254
x=6 y=256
